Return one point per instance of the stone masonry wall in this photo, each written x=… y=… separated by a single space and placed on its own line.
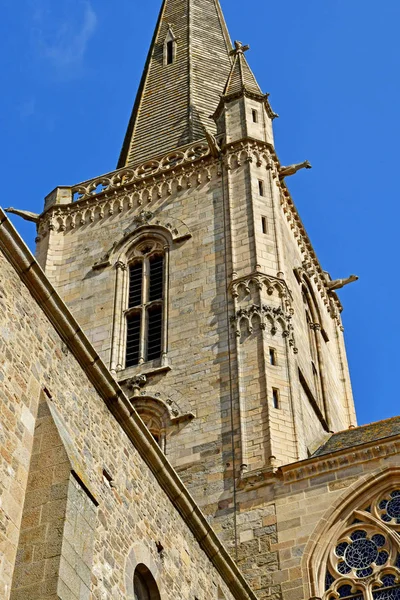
x=134 y=511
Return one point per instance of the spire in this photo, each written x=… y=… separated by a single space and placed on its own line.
x=187 y=67
x=240 y=77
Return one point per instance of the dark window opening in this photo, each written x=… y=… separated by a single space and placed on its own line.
x=324 y=335
x=261 y=188
x=254 y=114
x=264 y=225
x=156 y=438
x=272 y=357
x=170 y=52
x=107 y=478
x=135 y=284
x=275 y=398
x=144 y=315
x=156 y=278
x=133 y=339
x=144 y=584
x=154 y=334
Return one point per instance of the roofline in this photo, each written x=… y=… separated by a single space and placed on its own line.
x=321 y=458
x=29 y=271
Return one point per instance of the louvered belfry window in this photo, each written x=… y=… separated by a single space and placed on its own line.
x=144 y=315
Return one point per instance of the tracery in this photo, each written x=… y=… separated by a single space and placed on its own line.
x=365 y=561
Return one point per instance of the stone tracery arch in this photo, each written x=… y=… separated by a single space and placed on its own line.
x=363 y=525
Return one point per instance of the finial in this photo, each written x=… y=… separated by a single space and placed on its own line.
x=239 y=48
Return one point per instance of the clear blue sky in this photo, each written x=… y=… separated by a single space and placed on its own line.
x=70 y=69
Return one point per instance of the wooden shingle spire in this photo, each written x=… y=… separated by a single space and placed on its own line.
x=186 y=71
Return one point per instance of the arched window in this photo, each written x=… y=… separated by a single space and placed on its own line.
x=365 y=560
x=139 y=333
x=155 y=416
x=144 y=585
x=313 y=324
x=145 y=307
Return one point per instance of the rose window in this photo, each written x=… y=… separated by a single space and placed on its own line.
x=364 y=564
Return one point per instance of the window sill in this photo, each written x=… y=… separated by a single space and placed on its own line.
x=145 y=369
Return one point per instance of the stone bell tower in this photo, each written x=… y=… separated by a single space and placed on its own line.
x=191 y=273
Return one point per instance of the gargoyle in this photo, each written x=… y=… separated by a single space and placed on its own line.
x=25 y=214
x=215 y=150
x=337 y=284
x=292 y=169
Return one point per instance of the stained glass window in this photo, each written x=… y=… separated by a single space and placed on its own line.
x=365 y=562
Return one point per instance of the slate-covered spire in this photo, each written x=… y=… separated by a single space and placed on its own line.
x=241 y=77
x=186 y=70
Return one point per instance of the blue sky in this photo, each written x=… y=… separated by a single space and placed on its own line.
x=70 y=70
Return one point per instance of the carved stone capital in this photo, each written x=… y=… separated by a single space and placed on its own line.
x=119 y=265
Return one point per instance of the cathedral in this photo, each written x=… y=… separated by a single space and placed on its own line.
x=176 y=411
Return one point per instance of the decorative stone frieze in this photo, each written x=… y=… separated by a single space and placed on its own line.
x=270 y=319
x=128 y=176
x=262 y=281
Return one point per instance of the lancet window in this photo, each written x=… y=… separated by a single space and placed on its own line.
x=365 y=560
x=144 y=314
x=169 y=48
x=140 y=317
x=313 y=324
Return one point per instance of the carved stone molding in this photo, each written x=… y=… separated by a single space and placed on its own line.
x=166 y=404
x=128 y=189
x=173 y=161
x=178 y=230
x=270 y=319
x=313 y=467
x=329 y=298
x=263 y=281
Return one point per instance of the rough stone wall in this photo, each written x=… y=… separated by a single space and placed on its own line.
x=134 y=513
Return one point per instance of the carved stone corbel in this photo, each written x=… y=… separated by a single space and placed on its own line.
x=135 y=383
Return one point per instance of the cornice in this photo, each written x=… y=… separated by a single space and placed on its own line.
x=244 y=92
x=190 y=166
x=108 y=389
x=318 y=465
x=131 y=187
